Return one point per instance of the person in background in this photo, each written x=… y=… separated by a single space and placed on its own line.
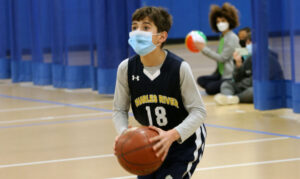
x=239 y=89
x=243 y=34
x=222 y=19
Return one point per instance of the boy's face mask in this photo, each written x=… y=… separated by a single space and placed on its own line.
x=141 y=42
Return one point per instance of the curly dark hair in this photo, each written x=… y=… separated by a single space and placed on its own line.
x=227 y=11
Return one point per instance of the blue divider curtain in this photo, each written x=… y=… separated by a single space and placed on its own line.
x=4 y=40
x=276 y=64
x=65 y=43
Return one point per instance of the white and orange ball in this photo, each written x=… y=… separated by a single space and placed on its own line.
x=192 y=37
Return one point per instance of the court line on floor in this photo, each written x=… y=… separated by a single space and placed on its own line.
x=252 y=131
x=29 y=108
x=246 y=141
x=107 y=110
x=210 y=104
x=52 y=106
x=228 y=166
x=111 y=155
x=124 y=177
x=47 y=87
x=248 y=164
x=55 y=103
x=53 y=122
x=54 y=117
x=55 y=161
x=102 y=118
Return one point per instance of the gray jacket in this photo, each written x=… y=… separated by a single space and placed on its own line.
x=231 y=41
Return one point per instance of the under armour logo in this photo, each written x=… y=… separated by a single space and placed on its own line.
x=137 y=78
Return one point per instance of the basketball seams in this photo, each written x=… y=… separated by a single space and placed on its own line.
x=121 y=145
x=142 y=165
x=123 y=142
x=136 y=149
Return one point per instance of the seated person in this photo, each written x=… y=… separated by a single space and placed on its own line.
x=239 y=89
x=243 y=34
x=222 y=20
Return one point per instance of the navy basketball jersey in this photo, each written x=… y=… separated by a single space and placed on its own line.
x=156 y=98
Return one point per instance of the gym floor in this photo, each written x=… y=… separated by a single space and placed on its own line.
x=48 y=133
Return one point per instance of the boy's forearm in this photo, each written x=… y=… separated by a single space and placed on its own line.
x=120 y=120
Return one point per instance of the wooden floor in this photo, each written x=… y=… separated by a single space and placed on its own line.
x=48 y=133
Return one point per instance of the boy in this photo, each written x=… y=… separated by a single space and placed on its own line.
x=163 y=95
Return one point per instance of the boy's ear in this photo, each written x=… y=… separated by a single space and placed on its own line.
x=163 y=36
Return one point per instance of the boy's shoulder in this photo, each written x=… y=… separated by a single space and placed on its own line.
x=173 y=56
x=123 y=65
x=134 y=57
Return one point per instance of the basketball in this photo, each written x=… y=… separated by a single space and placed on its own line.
x=192 y=37
x=135 y=153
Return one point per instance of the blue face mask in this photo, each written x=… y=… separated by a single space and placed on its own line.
x=249 y=48
x=141 y=42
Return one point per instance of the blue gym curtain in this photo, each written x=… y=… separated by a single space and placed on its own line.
x=276 y=62
x=65 y=43
x=5 y=70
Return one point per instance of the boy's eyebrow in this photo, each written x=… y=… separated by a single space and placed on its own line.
x=136 y=22
x=147 y=23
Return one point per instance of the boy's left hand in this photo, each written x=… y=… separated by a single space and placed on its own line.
x=163 y=141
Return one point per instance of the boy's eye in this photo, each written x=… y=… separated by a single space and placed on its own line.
x=146 y=28
x=143 y=27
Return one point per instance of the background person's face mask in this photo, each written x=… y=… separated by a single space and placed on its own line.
x=222 y=26
x=249 y=48
x=243 y=43
x=141 y=42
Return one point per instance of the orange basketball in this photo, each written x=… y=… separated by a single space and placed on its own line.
x=135 y=153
